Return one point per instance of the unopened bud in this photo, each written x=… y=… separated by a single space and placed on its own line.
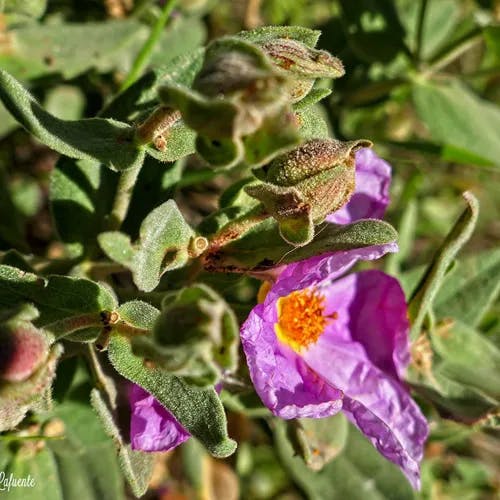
x=23 y=349
x=305 y=185
x=303 y=64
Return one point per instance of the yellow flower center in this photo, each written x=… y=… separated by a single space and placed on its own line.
x=301 y=319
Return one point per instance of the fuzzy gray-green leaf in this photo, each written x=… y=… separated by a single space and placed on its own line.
x=137 y=466
x=263 y=247
x=428 y=287
x=164 y=241
x=102 y=140
x=55 y=297
x=198 y=410
x=81 y=195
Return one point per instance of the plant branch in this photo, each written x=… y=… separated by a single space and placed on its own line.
x=142 y=59
x=123 y=197
x=448 y=56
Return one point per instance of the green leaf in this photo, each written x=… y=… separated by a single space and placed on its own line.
x=56 y=297
x=117 y=247
x=104 y=141
x=467 y=358
x=163 y=245
x=360 y=472
x=441 y=18
x=406 y=230
x=313 y=123
x=139 y=314
x=266 y=33
x=156 y=183
x=312 y=98
x=81 y=195
x=469 y=291
x=24 y=10
x=423 y=296
x=262 y=247
x=71 y=48
x=183 y=35
x=136 y=466
x=42 y=467
x=459 y=120
x=457 y=379
x=66 y=102
x=142 y=96
x=198 y=410
x=86 y=460
x=492 y=37
x=179 y=141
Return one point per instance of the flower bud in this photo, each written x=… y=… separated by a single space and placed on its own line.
x=305 y=185
x=303 y=64
x=195 y=336
x=237 y=96
x=23 y=349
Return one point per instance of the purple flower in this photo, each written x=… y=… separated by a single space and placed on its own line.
x=371 y=195
x=321 y=343
x=152 y=426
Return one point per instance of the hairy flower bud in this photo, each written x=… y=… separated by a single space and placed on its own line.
x=195 y=336
x=305 y=185
x=23 y=348
x=302 y=63
x=237 y=96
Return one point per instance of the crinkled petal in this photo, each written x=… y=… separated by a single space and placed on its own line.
x=375 y=402
x=282 y=380
x=371 y=195
x=323 y=268
x=372 y=310
x=152 y=426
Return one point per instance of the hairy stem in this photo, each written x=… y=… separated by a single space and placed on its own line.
x=123 y=197
x=238 y=227
x=69 y=325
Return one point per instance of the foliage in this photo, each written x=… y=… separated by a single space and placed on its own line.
x=152 y=176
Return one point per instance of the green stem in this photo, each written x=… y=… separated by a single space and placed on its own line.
x=102 y=381
x=69 y=325
x=123 y=197
x=128 y=330
x=449 y=55
x=238 y=227
x=142 y=59
x=420 y=30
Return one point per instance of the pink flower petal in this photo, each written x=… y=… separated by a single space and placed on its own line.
x=371 y=195
x=152 y=427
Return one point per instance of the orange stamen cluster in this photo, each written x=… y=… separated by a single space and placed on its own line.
x=300 y=318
